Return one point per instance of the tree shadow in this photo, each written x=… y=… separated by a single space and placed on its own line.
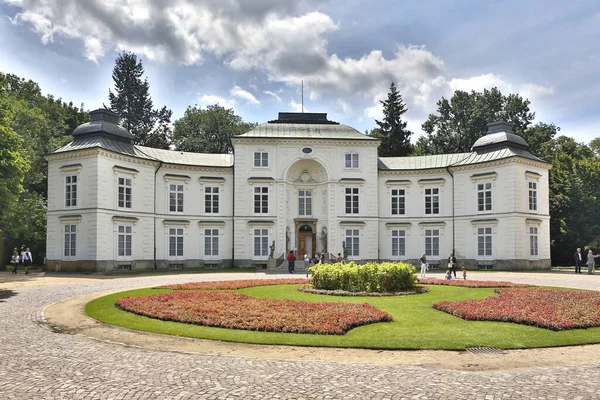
x=5 y=294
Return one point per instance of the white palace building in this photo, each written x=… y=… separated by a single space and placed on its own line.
x=301 y=181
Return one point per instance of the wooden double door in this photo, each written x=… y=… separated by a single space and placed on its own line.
x=307 y=243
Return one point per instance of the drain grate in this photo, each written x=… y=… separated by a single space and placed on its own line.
x=484 y=350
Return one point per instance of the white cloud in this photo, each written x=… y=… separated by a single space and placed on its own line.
x=297 y=107
x=344 y=106
x=273 y=95
x=208 y=100
x=535 y=92
x=93 y=49
x=237 y=91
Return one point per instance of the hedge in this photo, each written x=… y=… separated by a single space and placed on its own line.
x=369 y=277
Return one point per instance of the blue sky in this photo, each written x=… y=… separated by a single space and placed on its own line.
x=253 y=54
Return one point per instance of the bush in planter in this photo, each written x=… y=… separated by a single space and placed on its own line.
x=369 y=277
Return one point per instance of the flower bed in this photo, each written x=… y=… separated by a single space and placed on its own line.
x=233 y=285
x=310 y=289
x=554 y=309
x=239 y=311
x=471 y=284
x=369 y=277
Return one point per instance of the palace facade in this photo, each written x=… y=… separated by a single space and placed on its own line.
x=300 y=182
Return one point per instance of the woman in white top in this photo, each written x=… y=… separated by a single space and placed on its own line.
x=306 y=260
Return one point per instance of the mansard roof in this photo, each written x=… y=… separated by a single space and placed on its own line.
x=149 y=153
x=103 y=122
x=305 y=126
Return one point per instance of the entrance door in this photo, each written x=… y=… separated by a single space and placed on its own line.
x=305 y=241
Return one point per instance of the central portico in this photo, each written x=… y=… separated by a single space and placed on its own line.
x=299 y=181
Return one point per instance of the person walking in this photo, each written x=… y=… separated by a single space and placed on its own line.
x=291 y=261
x=578 y=259
x=452 y=264
x=27 y=260
x=591 y=262
x=423 y=261
x=464 y=271
x=306 y=260
x=14 y=260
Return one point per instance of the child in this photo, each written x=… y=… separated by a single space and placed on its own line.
x=464 y=273
x=448 y=274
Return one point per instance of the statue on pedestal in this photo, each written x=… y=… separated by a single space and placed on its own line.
x=272 y=248
x=345 y=251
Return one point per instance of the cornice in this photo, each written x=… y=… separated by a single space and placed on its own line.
x=306 y=141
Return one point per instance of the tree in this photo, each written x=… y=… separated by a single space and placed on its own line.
x=463 y=120
x=132 y=102
x=13 y=165
x=209 y=130
x=392 y=130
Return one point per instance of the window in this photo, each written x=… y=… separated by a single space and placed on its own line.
x=432 y=242
x=398 y=202
x=211 y=243
x=261 y=159
x=71 y=191
x=124 y=236
x=124 y=193
x=532 y=196
x=484 y=197
x=533 y=241
x=351 y=160
x=432 y=201
x=261 y=200
x=211 y=200
x=351 y=200
x=398 y=243
x=175 y=242
x=353 y=242
x=70 y=240
x=305 y=202
x=175 y=198
x=261 y=243
x=484 y=242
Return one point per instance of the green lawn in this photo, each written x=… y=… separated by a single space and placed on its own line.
x=415 y=326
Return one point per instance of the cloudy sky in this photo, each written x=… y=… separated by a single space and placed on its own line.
x=252 y=55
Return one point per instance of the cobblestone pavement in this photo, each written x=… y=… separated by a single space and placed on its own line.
x=36 y=363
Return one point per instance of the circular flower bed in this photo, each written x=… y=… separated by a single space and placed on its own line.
x=554 y=309
x=239 y=311
x=310 y=289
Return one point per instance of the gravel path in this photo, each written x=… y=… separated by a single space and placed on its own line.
x=37 y=363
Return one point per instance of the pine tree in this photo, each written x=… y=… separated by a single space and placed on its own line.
x=392 y=130
x=133 y=103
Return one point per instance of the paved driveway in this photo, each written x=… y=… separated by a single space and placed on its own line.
x=37 y=363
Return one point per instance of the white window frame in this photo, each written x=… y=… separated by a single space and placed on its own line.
x=125 y=234
x=212 y=234
x=260 y=236
x=177 y=192
x=432 y=195
x=214 y=193
x=533 y=233
x=261 y=191
x=400 y=235
x=430 y=234
x=532 y=193
x=351 y=160
x=262 y=161
x=483 y=194
x=69 y=231
x=352 y=238
x=305 y=203
x=400 y=198
x=484 y=232
x=177 y=235
x=352 y=194
x=125 y=178
x=71 y=195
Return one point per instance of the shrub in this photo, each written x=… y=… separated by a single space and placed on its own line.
x=369 y=277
